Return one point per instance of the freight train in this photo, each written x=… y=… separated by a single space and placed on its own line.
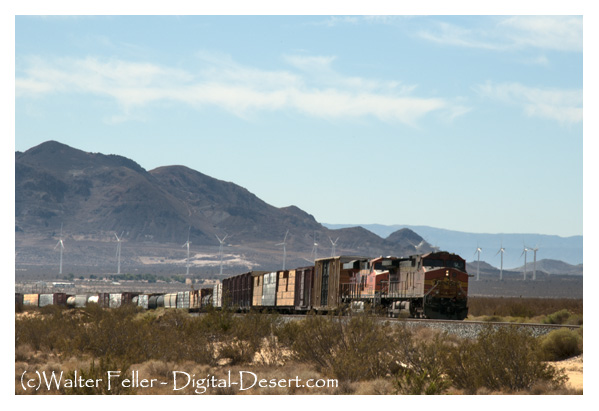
x=433 y=285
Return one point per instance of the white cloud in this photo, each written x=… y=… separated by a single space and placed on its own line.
x=564 y=106
x=450 y=34
x=562 y=33
x=547 y=32
x=315 y=90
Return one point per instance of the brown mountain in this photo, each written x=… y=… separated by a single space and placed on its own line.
x=95 y=196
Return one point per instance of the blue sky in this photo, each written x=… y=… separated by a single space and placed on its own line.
x=469 y=123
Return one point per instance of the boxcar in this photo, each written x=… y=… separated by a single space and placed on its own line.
x=238 y=291
x=329 y=274
x=304 y=277
x=31 y=299
x=257 y=289
x=285 y=289
x=170 y=300
x=217 y=294
x=103 y=300
x=116 y=299
x=52 y=299
x=183 y=299
x=205 y=297
x=265 y=289
x=127 y=298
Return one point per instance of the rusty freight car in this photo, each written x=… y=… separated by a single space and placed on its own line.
x=329 y=274
x=264 y=290
x=238 y=291
x=304 y=278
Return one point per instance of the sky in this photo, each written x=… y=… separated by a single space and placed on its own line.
x=468 y=123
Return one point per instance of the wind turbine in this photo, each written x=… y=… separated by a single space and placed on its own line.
x=187 y=244
x=314 y=249
x=220 y=251
x=534 y=267
x=501 y=250
x=61 y=244
x=334 y=245
x=526 y=250
x=118 y=252
x=284 y=244
x=478 y=250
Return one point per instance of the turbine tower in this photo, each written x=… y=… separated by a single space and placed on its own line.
x=118 y=252
x=526 y=250
x=534 y=267
x=334 y=246
x=61 y=244
x=478 y=250
x=220 y=251
x=284 y=244
x=314 y=253
x=187 y=244
x=501 y=250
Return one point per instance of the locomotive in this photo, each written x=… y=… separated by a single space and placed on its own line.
x=433 y=285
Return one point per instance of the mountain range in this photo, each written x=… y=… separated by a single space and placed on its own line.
x=551 y=248
x=88 y=199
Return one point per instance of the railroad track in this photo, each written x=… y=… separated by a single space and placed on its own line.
x=464 y=329
x=470 y=329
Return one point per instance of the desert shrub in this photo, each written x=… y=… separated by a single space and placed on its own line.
x=100 y=371
x=350 y=349
x=504 y=358
x=561 y=344
x=557 y=317
x=420 y=363
x=518 y=307
x=158 y=368
x=522 y=309
x=24 y=352
x=574 y=319
x=425 y=382
x=563 y=317
x=217 y=322
x=246 y=335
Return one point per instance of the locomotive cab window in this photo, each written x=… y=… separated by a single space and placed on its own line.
x=431 y=262
x=456 y=264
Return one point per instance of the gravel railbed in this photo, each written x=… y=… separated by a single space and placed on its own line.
x=470 y=329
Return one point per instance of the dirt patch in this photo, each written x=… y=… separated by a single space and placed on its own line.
x=573 y=369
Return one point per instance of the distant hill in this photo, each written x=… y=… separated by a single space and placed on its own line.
x=95 y=196
x=553 y=267
x=567 y=249
x=543 y=267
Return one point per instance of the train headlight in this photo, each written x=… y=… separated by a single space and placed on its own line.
x=446 y=273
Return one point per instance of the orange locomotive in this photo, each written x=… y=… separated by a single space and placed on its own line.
x=433 y=285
